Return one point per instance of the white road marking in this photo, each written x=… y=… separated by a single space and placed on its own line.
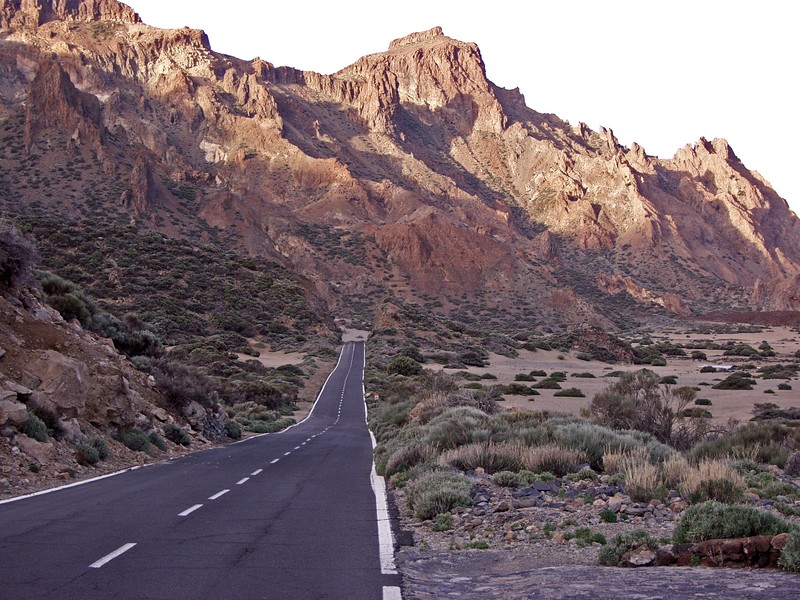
x=243 y=480
x=219 y=494
x=286 y=453
x=272 y=462
x=391 y=593
x=109 y=557
x=190 y=510
x=297 y=447
x=385 y=536
x=257 y=472
x=71 y=485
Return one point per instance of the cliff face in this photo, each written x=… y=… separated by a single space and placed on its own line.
x=406 y=172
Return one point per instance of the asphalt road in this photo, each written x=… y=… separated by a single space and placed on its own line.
x=282 y=516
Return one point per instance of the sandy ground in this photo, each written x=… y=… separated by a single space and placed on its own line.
x=354 y=335
x=726 y=404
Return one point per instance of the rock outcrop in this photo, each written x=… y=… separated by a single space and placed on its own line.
x=33 y=13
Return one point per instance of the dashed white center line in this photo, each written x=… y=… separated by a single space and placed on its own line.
x=109 y=557
x=272 y=462
x=256 y=472
x=304 y=443
x=189 y=510
x=286 y=453
x=297 y=447
x=243 y=480
x=219 y=494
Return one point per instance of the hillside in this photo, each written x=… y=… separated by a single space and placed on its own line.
x=406 y=175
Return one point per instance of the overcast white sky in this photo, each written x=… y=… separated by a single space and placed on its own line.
x=661 y=73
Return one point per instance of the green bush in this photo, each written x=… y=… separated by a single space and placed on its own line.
x=443 y=522
x=736 y=381
x=790 y=554
x=611 y=554
x=437 y=492
x=585 y=537
x=608 y=516
x=157 y=441
x=101 y=446
x=233 y=430
x=135 y=439
x=86 y=455
x=570 y=393
x=713 y=520
x=768 y=441
x=703 y=402
x=177 y=435
x=767 y=485
x=403 y=365
x=35 y=428
x=506 y=479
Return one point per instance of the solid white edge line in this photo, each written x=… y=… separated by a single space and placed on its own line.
x=385 y=535
x=392 y=593
x=189 y=510
x=257 y=472
x=243 y=480
x=71 y=485
x=219 y=494
x=308 y=416
x=109 y=557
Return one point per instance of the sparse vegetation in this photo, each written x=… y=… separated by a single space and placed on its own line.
x=611 y=554
x=713 y=520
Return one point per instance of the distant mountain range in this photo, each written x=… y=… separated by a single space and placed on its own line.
x=406 y=175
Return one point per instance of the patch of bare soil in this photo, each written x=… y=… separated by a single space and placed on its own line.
x=594 y=376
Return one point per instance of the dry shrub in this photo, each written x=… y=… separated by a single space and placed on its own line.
x=643 y=480
x=503 y=456
x=675 y=469
x=429 y=407
x=405 y=457
x=551 y=458
x=612 y=460
x=712 y=480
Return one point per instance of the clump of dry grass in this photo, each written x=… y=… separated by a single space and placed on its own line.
x=643 y=480
x=712 y=480
x=675 y=468
x=512 y=456
x=492 y=457
x=551 y=458
x=612 y=459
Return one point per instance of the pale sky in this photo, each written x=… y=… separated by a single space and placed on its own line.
x=660 y=73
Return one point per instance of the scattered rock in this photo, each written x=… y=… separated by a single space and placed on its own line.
x=12 y=413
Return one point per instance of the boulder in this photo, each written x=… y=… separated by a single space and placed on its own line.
x=12 y=413
x=65 y=381
x=641 y=557
x=41 y=452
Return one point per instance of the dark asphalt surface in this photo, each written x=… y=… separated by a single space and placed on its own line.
x=298 y=522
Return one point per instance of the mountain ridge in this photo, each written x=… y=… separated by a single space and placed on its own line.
x=438 y=182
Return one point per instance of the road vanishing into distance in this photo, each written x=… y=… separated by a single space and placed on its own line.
x=283 y=516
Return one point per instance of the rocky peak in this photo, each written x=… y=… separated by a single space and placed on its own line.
x=430 y=74
x=33 y=13
x=416 y=38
